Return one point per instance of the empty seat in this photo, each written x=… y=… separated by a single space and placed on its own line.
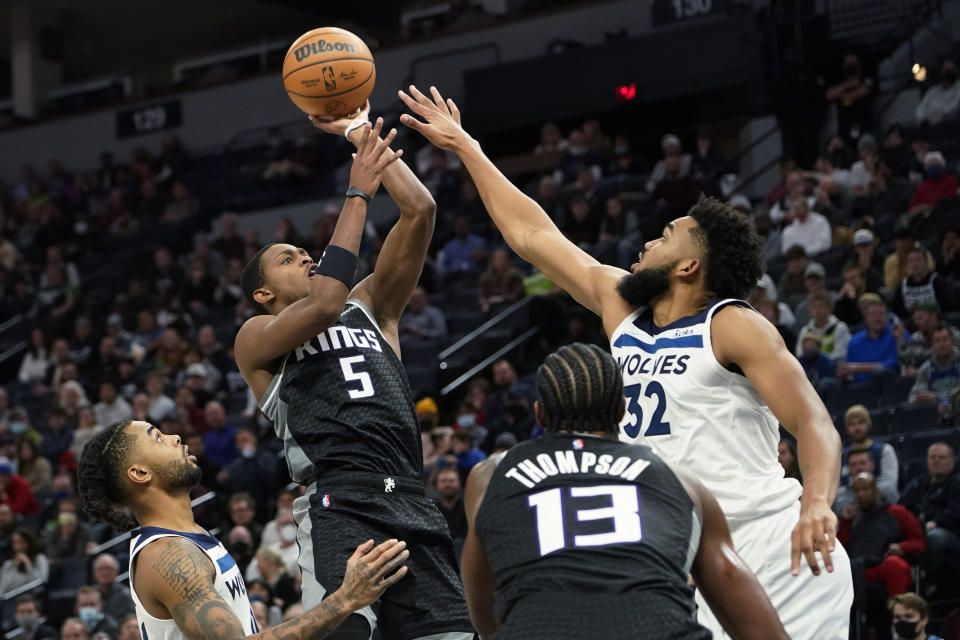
x=881 y=420
x=464 y=321
x=839 y=399
x=915 y=417
x=915 y=445
x=896 y=390
x=913 y=468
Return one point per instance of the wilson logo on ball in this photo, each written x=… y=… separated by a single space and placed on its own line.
x=322 y=46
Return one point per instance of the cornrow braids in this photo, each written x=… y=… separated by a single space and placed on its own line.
x=581 y=389
x=100 y=473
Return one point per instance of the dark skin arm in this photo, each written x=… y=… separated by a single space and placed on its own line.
x=386 y=291
x=723 y=578
x=479 y=583
x=743 y=337
x=174 y=579
x=264 y=338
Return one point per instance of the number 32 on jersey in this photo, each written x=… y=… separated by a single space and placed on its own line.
x=634 y=413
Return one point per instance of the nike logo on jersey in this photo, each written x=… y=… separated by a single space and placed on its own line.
x=531 y=471
x=338 y=337
x=647 y=365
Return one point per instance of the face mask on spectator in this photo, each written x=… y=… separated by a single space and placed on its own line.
x=90 y=616
x=247 y=452
x=934 y=171
x=905 y=629
x=26 y=622
x=288 y=533
x=18 y=427
x=467 y=420
x=67 y=519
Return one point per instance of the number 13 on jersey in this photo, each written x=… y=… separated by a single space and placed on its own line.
x=634 y=413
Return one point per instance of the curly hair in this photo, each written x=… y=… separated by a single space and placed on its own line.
x=581 y=389
x=100 y=476
x=730 y=244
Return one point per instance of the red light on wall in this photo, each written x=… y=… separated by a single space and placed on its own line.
x=626 y=92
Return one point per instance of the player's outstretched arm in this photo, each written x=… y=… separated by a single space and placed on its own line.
x=479 y=583
x=743 y=337
x=524 y=224
x=388 y=289
x=725 y=581
x=172 y=574
x=262 y=339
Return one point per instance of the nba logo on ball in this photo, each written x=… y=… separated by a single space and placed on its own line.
x=578 y=444
x=325 y=501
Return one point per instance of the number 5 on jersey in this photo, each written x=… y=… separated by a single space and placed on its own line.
x=351 y=375
x=634 y=414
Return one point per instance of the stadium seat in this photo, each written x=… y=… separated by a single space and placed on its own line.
x=839 y=399
x=881 y=420
x=896 y=390
x=464 y=321
x=913 y=468
x=909 y=418
x=915 y=445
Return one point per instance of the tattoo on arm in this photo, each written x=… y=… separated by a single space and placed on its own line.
x=185 y=575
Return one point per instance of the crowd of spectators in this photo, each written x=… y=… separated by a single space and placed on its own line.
x=132 y=304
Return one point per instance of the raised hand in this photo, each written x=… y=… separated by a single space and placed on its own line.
x=339 y=126
x=372 y=157
x=442 y=126
x=370 y=570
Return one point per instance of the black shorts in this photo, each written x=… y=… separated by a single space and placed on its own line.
x=350 y=510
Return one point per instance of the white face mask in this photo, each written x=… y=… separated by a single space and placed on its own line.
x=288 y=533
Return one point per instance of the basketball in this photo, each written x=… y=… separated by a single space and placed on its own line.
x=328 y=72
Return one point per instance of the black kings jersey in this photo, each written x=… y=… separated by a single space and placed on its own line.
x=582 y=531
x=341 y=402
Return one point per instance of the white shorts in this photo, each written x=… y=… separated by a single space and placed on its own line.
x=810 y=607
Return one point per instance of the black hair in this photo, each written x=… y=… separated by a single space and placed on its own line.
x=33 y=547
x=100 y=476
x=255 y=277
x=733 y=251
x=580 y=389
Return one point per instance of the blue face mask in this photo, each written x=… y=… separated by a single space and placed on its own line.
x=934 y=171
x=90 y=616
x=18 y=427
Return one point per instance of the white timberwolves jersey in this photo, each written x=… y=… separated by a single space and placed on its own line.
x=228 y=583
x=692 y=411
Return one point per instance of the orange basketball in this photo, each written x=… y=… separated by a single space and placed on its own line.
x=328 y=72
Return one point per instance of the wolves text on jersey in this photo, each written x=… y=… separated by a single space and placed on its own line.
x=338 y=337
x=650 y=365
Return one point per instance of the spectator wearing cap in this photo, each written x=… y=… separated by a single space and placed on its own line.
x=921 y=286
x=864 y=170
x=895 y=266
x=940 y=375
x=832 y=332
x=871 y=352
x=111 y=408
x=938 y=185
x=196 y=377
x=941 y=101
x=428 y=413
x=671 y=148
x=421 y=321
x=809 y=229
x=866 y=257
x=15 y=491
x=815 y=280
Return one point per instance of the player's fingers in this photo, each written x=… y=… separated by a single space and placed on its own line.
x=362 y=550
x=420 y=97
x=413 y=105
x=413 y=123
x=383 y=144
x=795 y=551
x=390 y=565
x=821 y=544
x=394 y=578
x=831 y=536
x=373 y=139
x=388 y=159
x=364 y=136
x=454 y=111
x=438 y=100
x=811 y=557
x=378 y=550
x=387 y=553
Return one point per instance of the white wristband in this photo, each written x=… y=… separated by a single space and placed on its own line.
x=356 y=124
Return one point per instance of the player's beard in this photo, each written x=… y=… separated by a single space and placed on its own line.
x=176 y=475
x=643 y=285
